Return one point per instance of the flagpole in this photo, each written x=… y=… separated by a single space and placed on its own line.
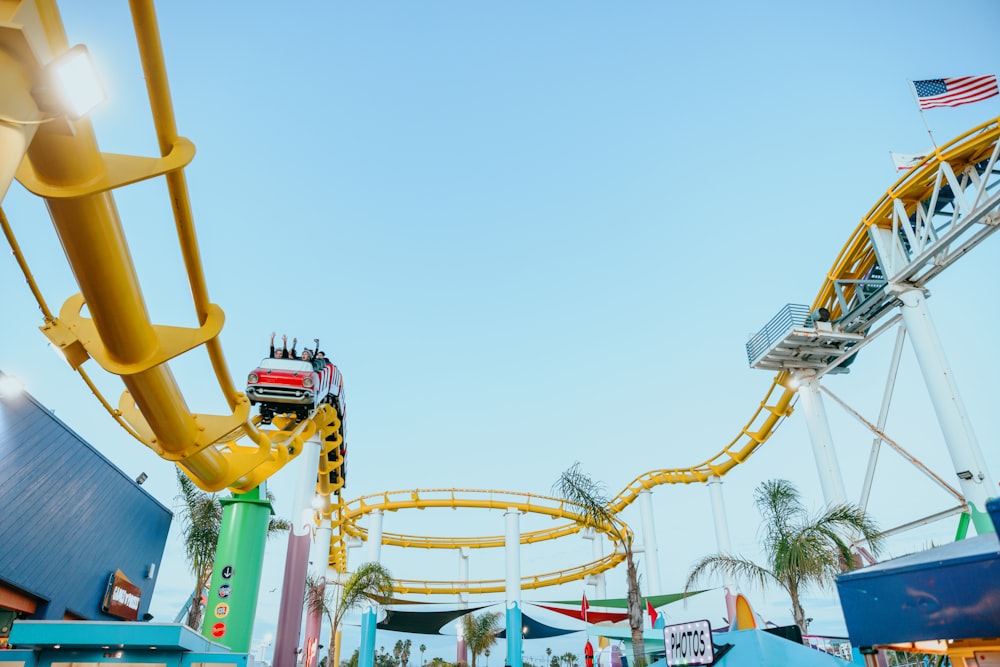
x=916 y=98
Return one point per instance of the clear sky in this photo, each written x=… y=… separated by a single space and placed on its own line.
x=530 y=234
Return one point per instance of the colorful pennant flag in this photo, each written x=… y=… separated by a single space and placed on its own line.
x=955 y=92
x=652 y=614
x=584 y=607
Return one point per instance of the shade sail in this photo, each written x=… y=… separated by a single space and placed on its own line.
x=593 y=615
x=421 y=622
x=622 y=603
x=534 y=629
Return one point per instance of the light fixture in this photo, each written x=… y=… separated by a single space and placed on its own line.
x=965 y=474
x=141 y=478
x=72 y=86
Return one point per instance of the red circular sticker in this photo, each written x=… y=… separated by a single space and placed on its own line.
x=218 y=629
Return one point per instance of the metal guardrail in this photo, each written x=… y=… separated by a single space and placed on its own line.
x=791 y=316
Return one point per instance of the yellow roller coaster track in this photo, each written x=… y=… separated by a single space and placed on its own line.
x=421 y=499
x=77 y=180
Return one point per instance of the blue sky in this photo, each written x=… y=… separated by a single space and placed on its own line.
x=531 y=234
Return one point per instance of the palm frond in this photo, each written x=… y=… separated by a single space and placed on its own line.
x=578 y=488
x=779 y=505
x=733 y=567
x=369 y=582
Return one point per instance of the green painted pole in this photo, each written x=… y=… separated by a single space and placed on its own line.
x=963 y=526
x=239 y=559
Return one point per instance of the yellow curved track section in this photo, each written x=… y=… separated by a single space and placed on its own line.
x=422 y=499
x=857 y=257
x=853 y=263
x=77 y=180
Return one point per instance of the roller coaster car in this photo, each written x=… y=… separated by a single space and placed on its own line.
x=293 y=386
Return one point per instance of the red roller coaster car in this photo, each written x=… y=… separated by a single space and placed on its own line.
x=283 y=386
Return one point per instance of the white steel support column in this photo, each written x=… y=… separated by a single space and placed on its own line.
x=719 y=515
x=974 y=478
x=830 y=478
x=293 y=587
x=461 y=649
x=512 y=544
x=463 y=572
x=375 y=536
x=649 y=542
x=883 y=415
x=597 y=550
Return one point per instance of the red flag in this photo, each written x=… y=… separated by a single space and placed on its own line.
x=652 y=614
x=584 y=607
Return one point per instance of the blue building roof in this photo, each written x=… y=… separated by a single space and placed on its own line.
x=949 y=592
x=70 y=517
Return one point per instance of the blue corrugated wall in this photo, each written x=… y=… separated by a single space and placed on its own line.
x=69 y=518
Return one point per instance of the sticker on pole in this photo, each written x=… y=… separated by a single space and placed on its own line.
x=224 y=591
x=218 y=629
x=227 y=572
x=689 y=643
x=221 y=610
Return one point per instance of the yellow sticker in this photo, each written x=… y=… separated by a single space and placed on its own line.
x=222 y=610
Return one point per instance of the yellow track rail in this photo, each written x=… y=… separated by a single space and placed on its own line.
x=77 y=180
x=853 y=263
x=421 y=499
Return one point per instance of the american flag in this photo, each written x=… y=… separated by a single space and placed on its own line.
x=955 y=92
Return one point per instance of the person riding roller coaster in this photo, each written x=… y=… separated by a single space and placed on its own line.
x=286 y=383
x=283 y=352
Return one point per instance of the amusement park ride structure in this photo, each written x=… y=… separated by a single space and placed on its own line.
x=928 y=219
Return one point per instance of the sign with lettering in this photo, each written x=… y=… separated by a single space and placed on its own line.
x=689 y=643
x=122 y=597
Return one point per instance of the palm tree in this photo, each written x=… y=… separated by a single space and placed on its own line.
x=201 y=519
x=370 y=582
x=576 y=487
x=480 y=632
x=423 y=648
x=397 y=652
x=800 y=550
x=405 y=655
x=486 y=652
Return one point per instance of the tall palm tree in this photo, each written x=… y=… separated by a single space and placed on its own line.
x=423 y=647
x=201 y=519
x=801 y=550
x=370 y=582
x=405 y=655
x=575 y=486
x=480 y=632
